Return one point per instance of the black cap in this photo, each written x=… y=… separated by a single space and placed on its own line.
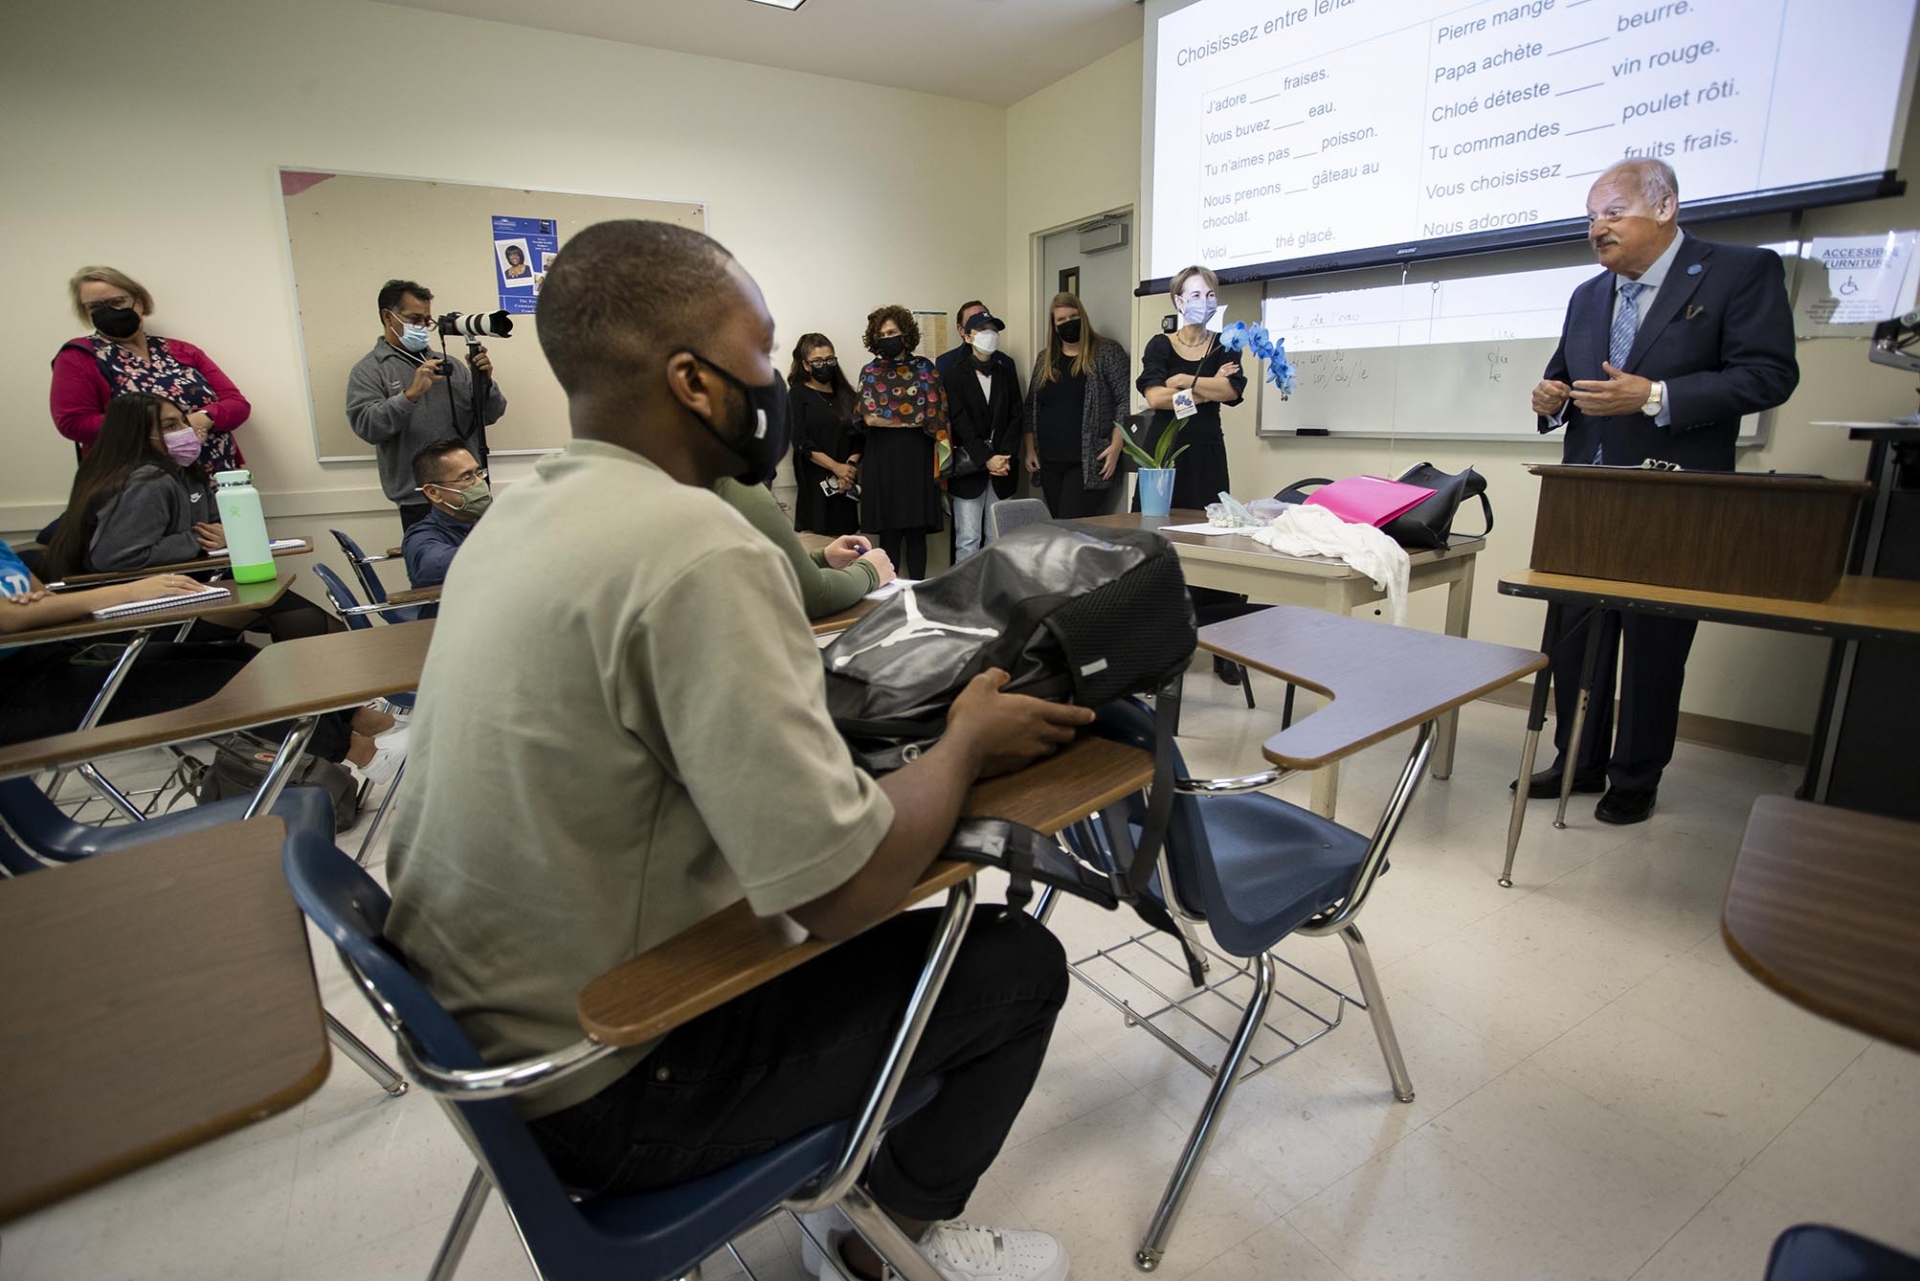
x=979 y=318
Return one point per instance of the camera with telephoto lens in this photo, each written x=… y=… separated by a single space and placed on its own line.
x=479 y=324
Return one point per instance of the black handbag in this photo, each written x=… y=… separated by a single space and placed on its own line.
x=1429 y=524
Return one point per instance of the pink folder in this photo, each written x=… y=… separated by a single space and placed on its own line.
x=1368 y=500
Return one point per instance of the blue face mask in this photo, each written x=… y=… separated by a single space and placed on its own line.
x=414 y=337
x=1198 y=311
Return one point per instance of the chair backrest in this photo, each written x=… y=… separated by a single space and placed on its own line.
x=1011 y=513
x=362 y=568
x=14 y=857
x=1189 y=853
x=342 y=599
x=351 y=910
x=30 y=821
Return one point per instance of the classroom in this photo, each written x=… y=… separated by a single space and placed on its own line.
x=1643 y=1016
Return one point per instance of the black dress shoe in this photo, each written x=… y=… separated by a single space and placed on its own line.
x=1227 y=670
x=1545 y=785
x=1623 y=807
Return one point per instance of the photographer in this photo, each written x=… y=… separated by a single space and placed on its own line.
x=403 y=396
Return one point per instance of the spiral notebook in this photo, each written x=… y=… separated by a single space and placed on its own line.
x=158 y=603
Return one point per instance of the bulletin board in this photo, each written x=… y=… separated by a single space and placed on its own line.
x=348 y=234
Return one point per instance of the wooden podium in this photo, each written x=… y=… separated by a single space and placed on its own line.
x=1739 y=533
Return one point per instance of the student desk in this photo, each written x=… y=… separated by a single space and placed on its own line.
x=846 y=618
x=1861 y=608
x=1236 y=563
x=143 y=626
x=150 y=1000
x=296 y=679
x=198 y=565
x=1822 y=909
x=734 y=951
x=1380 y=679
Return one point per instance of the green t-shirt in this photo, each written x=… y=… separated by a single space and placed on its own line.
x=823 y=591
x=621 y=731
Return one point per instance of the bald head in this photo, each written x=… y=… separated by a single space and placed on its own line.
x=1631 y=215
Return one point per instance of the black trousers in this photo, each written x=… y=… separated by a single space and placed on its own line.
x=803 y=1050
x=1652 y=671
x=907 y=549
x=1064 y=488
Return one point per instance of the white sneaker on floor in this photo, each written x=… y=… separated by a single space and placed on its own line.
x=958 y=1252
x=395 y=738
x=380 y=770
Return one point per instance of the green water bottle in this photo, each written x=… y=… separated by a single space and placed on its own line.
x=249 y=552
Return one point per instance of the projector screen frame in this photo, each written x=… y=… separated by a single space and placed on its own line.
x=1847 y=190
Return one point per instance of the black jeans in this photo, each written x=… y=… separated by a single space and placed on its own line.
x=1064 y=487
x=907 y=550
x=803 y=1050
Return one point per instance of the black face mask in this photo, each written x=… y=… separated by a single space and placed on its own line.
x=763 y=433
x=890 y=348
x=823 y=372
x=1069 y=330
x=116 y=322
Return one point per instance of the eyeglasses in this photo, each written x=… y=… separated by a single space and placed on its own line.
x=424 y=322
x=118 y=300
x=464 y=480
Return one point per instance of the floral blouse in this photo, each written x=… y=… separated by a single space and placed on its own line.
x=910 y=392
x=163 y=374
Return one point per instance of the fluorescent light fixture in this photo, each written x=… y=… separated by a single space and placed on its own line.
x=781 y=4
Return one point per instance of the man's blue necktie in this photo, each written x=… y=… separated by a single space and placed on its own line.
x=1626 y=323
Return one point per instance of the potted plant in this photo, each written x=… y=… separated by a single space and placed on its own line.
x=1156 y=469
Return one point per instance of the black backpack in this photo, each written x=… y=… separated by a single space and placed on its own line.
x=1073 y=613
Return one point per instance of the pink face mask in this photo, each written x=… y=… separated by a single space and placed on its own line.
x=183 y=446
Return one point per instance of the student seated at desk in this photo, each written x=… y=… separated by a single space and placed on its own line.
x=141 y=498
x=450 y=478
x=45 y=689
x=831 y=579
x=671 y=755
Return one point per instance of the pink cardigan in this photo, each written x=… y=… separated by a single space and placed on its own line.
x=80 y=391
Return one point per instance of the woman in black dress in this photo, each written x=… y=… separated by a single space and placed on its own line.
x=1192 y=359
x=904 y=405
x=827 y=440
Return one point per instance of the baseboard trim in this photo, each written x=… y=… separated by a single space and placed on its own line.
x=1764 y=741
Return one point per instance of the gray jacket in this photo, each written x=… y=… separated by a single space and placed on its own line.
x=150 y=521
x=380 y=413
x=1105 y=405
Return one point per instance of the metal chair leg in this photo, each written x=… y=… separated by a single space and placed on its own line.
x=1286 y=708
x=386 y=799
x=885 y=1236
x=1376 y=999
x=362 y=1054
x=460 y=1231
x=1225 y=1078
x=1246 y=685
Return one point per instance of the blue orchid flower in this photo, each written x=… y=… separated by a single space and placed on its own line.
x=1240 y=336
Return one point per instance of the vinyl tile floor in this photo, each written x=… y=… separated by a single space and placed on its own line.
x=1600 y=1091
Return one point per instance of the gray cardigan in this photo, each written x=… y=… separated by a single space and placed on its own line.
x=1101 y=411
x=380 y=413
x=150 y=521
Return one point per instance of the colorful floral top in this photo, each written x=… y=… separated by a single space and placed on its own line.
x=910 y=392
x=90 y=371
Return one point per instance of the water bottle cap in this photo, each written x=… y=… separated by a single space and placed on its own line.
x=240 y=477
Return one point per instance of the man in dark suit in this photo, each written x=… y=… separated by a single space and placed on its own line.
x=985 y=414
x=1659 y=357
x=957 y=354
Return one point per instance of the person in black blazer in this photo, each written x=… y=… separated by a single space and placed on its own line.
x=986 y=419
x=1659 y=357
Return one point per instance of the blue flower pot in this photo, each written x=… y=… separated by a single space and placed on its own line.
x=1156 y=491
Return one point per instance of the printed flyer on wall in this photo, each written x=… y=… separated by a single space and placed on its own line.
x=524 y=250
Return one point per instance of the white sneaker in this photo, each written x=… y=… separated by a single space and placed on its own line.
x=958 y=1252
x=380 y=770
x=395 y=738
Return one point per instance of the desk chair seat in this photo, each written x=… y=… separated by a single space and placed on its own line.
x=1251 y=870
x=1011 y=513
x=1811 y=1252
x=651 y=1236
x=363 y=566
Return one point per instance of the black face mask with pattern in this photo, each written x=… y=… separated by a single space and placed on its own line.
x=762 y=438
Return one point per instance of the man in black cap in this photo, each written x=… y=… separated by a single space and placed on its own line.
x=984 y=413
x=957 y=353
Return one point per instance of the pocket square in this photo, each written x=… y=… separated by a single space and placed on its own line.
x=1695 y=310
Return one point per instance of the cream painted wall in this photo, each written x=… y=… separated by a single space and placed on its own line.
x=1735 y=673
x=821 y=187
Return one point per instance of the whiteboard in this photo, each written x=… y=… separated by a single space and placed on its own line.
x=1448 y=349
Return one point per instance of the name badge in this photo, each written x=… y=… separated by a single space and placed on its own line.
x=1184 y=405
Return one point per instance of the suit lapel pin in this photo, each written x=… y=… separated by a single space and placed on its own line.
x=1694 y=270
x=1693 y=311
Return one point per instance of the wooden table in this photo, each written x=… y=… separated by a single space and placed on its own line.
x=734 y=951
x=198 y=565
x=1861 y=608
x=150 y=1000
x=846 y=618
x=1380 y=680
x=296 y=679
x=1824 y=908
x=1236 y=563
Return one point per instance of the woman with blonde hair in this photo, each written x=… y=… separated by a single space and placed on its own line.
x=1075 y=401
x=1192 y=360
x=121 y=356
